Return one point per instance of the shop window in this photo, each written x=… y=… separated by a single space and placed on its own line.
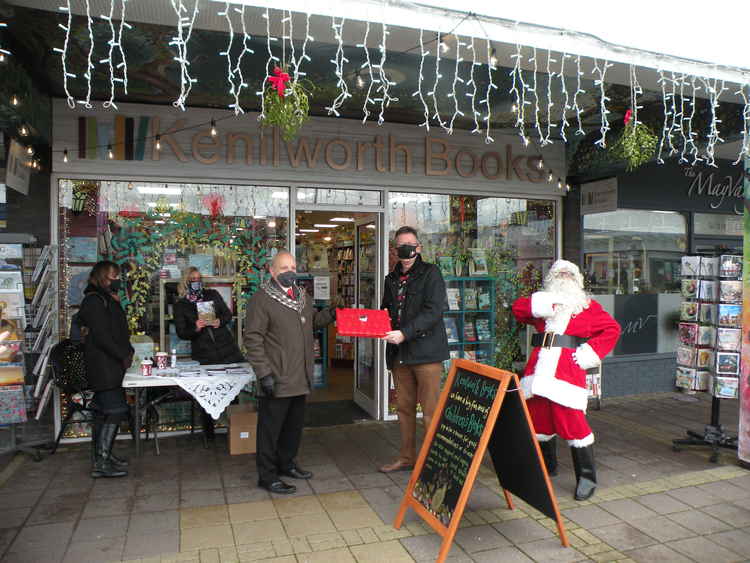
x=631 y=261
x=490 y=250
x=717 y=225
x=155 y=231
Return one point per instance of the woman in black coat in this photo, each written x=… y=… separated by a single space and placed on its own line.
x=108 y=354
x=211 y=342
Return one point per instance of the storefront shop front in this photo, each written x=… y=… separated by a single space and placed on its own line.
x=636 y=228
x=174 y=195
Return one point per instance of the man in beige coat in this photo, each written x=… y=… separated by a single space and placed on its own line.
x=279 y=341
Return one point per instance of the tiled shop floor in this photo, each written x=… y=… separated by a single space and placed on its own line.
x=202 y=505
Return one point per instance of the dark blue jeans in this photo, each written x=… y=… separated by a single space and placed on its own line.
x=112 y=405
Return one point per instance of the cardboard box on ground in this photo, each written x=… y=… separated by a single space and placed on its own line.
x=243 y=424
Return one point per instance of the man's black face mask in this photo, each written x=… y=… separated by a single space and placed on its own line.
x=406 y=251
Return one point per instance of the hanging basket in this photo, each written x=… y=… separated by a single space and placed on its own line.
x=288 y=112
x=636 y=145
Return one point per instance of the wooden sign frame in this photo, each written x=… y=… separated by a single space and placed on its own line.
x=448 y=532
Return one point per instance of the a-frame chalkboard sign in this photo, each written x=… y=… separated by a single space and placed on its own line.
x=480 y=408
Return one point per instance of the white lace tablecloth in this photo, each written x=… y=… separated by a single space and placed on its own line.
x=212 y=392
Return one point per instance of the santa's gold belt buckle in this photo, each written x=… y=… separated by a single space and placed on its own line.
x=548 y=340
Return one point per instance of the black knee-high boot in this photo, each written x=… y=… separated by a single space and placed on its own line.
x=117 y=461
x=103 y=465
x=583 y=464
x=549 y=452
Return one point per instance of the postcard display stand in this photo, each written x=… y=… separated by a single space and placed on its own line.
x=710 y=329
x=28 y=343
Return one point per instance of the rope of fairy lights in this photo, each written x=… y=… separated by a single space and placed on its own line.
x=420 y=79
x=115 y=41
x=180 y=41
x=338 y=62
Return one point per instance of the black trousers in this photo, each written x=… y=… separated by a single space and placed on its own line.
x=112 y=405
x=280 y=423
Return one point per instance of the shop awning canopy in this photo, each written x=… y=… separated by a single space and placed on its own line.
x=697 y=42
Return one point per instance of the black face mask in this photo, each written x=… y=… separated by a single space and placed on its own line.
x=196 y=286
x=406 y=251
x=115 y=286
x=287 y=279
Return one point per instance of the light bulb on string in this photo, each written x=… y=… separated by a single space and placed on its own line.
x=23 y=131
x=493 y=58
x=559 y=184
x=360 y=82
x=30 y=150
x=130 y=185
x=15 y=101
x=65 y=155
x=550 y=177
x=567 y=187
x=272 y=224
x=444 y=47
x=2 y=57
x=514 y=108
x=540 y=163
x=213 y=128
x=110 y=154
x=157 y=145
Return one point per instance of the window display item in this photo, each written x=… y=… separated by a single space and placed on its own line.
x=478 y=262
x=706 y=336
x=689 y=289
x=702 y=380
x=445 y=263
x=485 y=299
x=689 y=311
x=206 y=311
x=709 y=267
x=79 y=279
x=483 y=329
x=367 y=323
x=724 y=387
x=470 y=298
x=730 y=291
x=730 y=266
x=11 y=374
x=684 y=378
x=12 y=405
x=470 y=334
x=727 y=363
x=704 y=359
x=686 y=356
x=454 y=298
x=451 y=329
x=730 y=315
x=708 y=290
x=728 y=339
x=11 y=282
x=82 y=249
x=688 y=333
x=690 y=265
x=707 y=313
x=12 y=305
x=204 y=263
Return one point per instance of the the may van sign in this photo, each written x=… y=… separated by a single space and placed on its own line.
x=335 y=149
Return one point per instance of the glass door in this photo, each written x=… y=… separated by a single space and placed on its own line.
x=367 y=283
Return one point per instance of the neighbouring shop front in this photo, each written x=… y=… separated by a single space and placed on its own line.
x=171 y=195
x=635 y=229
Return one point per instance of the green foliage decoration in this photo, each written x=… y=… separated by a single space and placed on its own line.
x=290 y=112
x=636 y=145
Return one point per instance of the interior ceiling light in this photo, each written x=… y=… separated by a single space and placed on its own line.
x=342 y=220
x=159 y=190
x=327 y=239
x=370 y=226
x=309 y=230
x=326 y=225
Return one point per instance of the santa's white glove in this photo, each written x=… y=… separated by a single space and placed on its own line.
x=586 y=357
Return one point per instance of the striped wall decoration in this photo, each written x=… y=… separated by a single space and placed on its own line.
x=126 y=136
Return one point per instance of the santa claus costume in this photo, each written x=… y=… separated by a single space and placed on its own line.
x=574 y=333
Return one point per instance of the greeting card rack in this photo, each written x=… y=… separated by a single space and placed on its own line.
x=708 y=354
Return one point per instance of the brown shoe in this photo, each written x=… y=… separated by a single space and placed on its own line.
x=398 y=465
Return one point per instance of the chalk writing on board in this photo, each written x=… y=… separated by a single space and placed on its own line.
x=455 y=444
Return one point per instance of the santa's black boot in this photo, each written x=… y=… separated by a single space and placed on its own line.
x=549 y=452
x=583 y=464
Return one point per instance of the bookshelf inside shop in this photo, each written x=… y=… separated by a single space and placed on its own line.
x=470 y=319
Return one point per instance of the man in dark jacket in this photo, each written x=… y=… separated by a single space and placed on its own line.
x=279 y=342
x=415 y=297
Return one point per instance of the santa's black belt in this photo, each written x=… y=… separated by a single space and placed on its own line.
x=552 y=339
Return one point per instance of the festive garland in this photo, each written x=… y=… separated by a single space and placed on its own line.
x=287 y=104
x=139 y=243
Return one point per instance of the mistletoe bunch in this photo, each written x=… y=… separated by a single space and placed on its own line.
x=286 y=104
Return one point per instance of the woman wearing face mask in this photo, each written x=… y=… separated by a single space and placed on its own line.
x=108 y=354
x=211 y=342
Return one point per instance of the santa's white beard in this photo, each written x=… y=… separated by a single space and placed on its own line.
x=568 y=287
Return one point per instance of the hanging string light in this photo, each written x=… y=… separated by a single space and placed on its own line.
x=745 y=147
x=88 y=75
x=433 y=92
x=550 y=75
x=716 y=89
x=4 y=53
x=420 y=79
x=385 y=82
x=23 y=130
x=214 y=132
x=603 y=99
x=456 y=79
x=180 y=41
x=576 y=106
x=692 y=135
x=64 y=54
x=237 y=70
x=487 y=100
x=518 y=90
x=533 y=91
x=268 y=66
x=227 y=53
x=564 y=124
x=338 y=62
x=368 y=66
x=473 y=83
